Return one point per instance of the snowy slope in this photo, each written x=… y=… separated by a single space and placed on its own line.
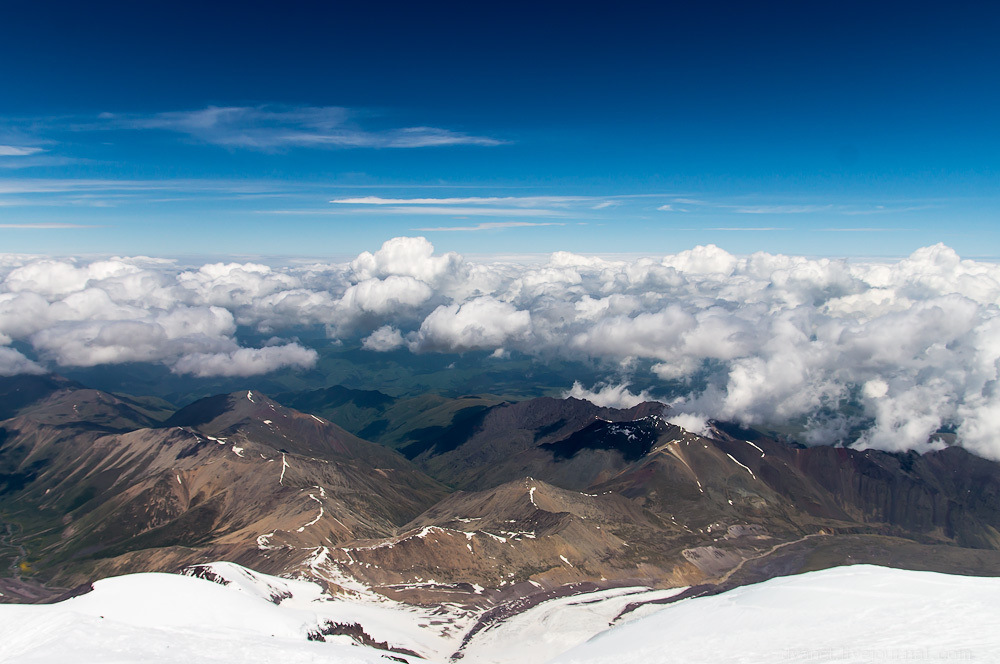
x=848 y=614
x=166 y=618
x=856 y=614
x=555 y=626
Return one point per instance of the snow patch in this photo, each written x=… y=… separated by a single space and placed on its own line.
x=284 y=466
x=318 y=516
x=741 y=465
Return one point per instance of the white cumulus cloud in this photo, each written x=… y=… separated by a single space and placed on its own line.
x=874 y=354
x=246 y=361
x=612 y=396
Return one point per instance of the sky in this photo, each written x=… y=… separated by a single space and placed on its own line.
x=322 y=129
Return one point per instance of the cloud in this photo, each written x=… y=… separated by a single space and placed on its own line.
x=482 y=323
x=407 y=256
x=18 y=151
x=782 y=209
x=271 y=128
x=488 y=226
x=742 y=207
x=137 y=310
x=864 y=230
x=469 y=211
x=748 y=228
x=611 y=396
x=46 y=226
x=383 y=339
x=13 y=363
x=872 y=354
x=247 y=361
x=692 y=422
x=520 y=201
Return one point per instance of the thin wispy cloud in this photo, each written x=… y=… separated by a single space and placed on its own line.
x=443 y=211
x=863 y=230
x=736 y=228
x=796 y=208
x=783 y=209
x=65 y=185
x=18 y=151
x=488 y=226
x=268 y=129
x=527 y=201
x=69 y=192
x=105 y=188
x=46 y=226
x=475 y=211
x=882 y=209
x=744 y=228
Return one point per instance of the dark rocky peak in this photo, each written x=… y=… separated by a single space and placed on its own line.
x=530 y=422
x=632 y=439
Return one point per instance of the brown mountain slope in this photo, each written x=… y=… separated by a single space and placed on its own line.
x=554 y=492
x=684 y=509
x=506 y=442
x=238 y=483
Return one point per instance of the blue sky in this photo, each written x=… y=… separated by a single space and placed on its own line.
x=322 y=129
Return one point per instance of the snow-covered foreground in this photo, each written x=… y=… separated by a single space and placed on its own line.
x=553 y=627
x=170 y=618
x=247 y=617
x=858 y=614
x=848 y=614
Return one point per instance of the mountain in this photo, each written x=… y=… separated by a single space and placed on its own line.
x=501 y=506
x=93 y=487
x=614 y=501
x=569 y=442
x=394 y=422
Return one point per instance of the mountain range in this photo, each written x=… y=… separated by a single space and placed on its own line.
x=476 y=501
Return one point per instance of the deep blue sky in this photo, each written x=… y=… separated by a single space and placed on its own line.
x=818 y=128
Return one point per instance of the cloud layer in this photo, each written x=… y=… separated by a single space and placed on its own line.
x=881 y=355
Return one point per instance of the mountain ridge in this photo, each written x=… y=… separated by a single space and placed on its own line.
x=523 y=498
